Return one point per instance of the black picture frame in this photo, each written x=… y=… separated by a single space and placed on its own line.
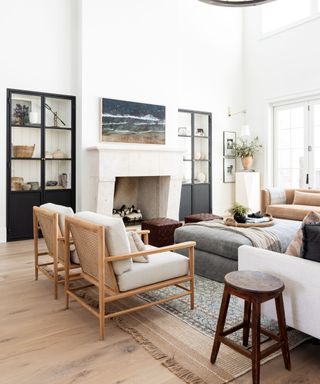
x=229 y=170
x=229 y=138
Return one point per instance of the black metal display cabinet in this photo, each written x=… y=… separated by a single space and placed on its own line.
x=40 y=156
x=194 y=132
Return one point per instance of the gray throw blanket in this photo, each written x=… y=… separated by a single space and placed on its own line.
x=259 y=237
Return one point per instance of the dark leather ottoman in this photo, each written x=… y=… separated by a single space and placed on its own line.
x=200 y=217
x=161 y=230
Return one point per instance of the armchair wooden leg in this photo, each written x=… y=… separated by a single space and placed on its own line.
x=192 y=294
x=55 y=271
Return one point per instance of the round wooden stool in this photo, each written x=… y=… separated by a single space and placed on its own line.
x=255 y=288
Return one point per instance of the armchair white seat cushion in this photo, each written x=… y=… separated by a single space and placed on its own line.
x=62 y=213
x=116 y=238
x=301 y=278
x=161 y=266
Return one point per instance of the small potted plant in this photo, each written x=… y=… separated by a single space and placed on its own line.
x=245 y=149
x=239 y=212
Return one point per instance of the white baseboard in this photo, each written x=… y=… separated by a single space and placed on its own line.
x=3 y=234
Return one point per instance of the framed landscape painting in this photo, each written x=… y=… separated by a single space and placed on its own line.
x=131 y=122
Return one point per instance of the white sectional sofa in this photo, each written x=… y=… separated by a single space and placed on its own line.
x=302 y=286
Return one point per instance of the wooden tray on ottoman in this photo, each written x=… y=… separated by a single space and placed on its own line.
x=229 y=221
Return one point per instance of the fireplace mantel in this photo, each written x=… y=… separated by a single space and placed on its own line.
x=108 y=162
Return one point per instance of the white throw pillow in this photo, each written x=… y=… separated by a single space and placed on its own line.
x=137 y=245
x=117 y=242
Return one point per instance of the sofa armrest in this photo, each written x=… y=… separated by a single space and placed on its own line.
x=302 y=285
x=265 y=200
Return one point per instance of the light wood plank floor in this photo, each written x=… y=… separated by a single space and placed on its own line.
x=42 y=343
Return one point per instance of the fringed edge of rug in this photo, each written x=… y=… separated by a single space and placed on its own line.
x=169 y=362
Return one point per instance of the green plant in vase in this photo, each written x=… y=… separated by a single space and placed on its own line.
x=245 y=149
x=239 y=212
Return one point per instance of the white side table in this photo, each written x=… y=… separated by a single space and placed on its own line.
x=248 y=190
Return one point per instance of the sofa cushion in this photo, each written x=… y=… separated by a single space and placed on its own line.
x=291 y=211
x=162 y=266
x=117 y=242
x=294 y=248
x=306 y=198
x=137 y=245
x=311 y=241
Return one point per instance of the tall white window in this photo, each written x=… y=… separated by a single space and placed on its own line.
x=281 y=13
x=297 y=145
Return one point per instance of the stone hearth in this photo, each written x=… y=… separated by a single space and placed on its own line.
x=159 y=171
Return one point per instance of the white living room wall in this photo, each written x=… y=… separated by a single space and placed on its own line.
x=38 y=45
x=283 y=65
x=177 y=53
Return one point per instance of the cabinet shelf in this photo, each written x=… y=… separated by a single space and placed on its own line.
x=184 y=136
x=60 y=128
x=201 y=137
x=55 y=159
x=26 y=126
x=26 y=158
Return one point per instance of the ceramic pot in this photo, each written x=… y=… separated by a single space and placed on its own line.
x=239 y=218
x=247 y=162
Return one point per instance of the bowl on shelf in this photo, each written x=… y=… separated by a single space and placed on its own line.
x=26 y=187
x=58 y=154
x=23 y=151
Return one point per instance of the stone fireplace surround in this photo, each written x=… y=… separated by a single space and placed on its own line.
x=160 y=168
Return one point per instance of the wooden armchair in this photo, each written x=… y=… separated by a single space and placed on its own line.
x=48 y=222
x=101 y=270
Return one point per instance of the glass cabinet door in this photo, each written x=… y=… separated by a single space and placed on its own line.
x=58 y=143
x=25 y=130
x=185 y=137
x=201 y=148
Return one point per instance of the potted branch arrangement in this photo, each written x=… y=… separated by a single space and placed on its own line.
x=245 y=150
x=239 y=212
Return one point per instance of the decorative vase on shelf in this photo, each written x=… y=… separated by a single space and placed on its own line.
x=247 y=162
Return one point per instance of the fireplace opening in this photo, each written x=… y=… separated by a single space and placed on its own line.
x=140 y=198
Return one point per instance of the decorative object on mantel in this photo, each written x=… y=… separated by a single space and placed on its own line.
x=245 y=150
x=236 y=3
x=132 y=122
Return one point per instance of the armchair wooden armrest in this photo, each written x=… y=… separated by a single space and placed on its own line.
x=149 y=252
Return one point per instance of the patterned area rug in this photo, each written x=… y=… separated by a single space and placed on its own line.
x=204 y=317
x=182 y=339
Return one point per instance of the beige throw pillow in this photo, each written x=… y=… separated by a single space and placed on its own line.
x=137 y=245
x=294 y=248
x=306 y=198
